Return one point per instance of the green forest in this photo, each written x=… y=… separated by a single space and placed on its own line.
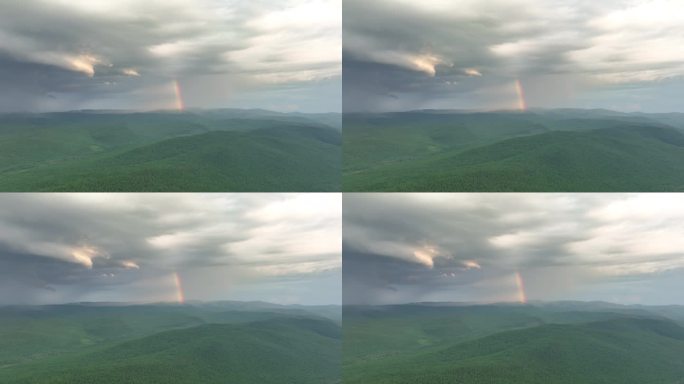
x=214 y=150
x=539 y=151
x=553 y=343
x=198 y=343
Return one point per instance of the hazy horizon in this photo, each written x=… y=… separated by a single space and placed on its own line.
x=511 y=303
x=228 y=109
x=170 y=302
x=427 y=303
x=168 y=110
x=509 y=110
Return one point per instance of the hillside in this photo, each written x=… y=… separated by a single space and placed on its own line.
x=273 y=351
x=198 y=151
x=511 y=344
x=212 y=343
x=550 y=151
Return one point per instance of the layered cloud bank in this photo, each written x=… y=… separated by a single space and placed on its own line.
x=616 y=54
x=158 y=247
x=60 y=55
x=513 y=247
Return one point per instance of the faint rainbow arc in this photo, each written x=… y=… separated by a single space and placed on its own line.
x=180 y=104
x=180 y=295
x=520 y=283
x=522 y=103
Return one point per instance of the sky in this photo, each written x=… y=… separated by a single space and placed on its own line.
x=622 y=55
x=94 y=247
x=282 y=55
x=484 y=248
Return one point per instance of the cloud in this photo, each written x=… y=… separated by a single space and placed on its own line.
x=412 y=50
x=71 y=242
x=470 y=247
x=472 y=72
x=471 y=264
x=130 y=264
x=77 y=47
x=130 y=72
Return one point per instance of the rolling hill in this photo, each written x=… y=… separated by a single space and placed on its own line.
x=512 y=344
x=557 y=150
x=220 y=150
x=209 y=343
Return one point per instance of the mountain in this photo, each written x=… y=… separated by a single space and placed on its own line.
x=221 y=150
x=207 y=342
x=556 y=150
x=542 y=343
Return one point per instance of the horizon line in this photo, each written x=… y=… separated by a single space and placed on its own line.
x=174 y=303
x=516 y=303
x=165 y=110
x=529 y=110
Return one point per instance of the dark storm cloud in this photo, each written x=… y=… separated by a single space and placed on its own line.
x=470 y=247
x=467 y=54
x=101 y=54
x=68 y=247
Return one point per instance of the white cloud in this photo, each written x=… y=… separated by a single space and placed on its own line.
x=426 y=255
x=472 y=72
x=253 y=46
x=471 y=247
x=130 y=72
x=471 y=264
x=169 y=231
x=129 y=264
x=300 y=42
x=85 y=255
x=612 y=234
x=572 y=53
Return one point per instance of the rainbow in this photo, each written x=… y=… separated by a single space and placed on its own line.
x=522 y=296
x=180 y=295
x=522 y=103
x=180 y=104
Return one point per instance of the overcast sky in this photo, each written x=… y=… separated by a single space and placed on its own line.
x=128 y=54
x=470 y=54
x=622 y=248
x=282 y=248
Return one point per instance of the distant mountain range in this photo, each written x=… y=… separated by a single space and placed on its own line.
x=203 y=150
x=570 y=150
